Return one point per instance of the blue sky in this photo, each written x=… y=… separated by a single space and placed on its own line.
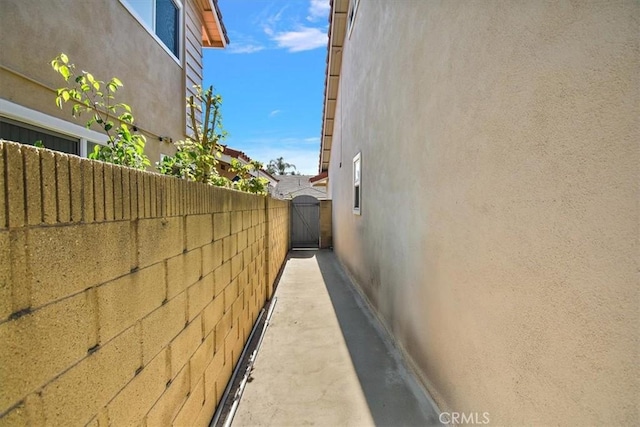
x=271 y=78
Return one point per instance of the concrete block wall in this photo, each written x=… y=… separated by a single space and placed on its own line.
x=126 y=297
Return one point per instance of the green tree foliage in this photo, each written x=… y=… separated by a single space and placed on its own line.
x=279 y=166
x=197 y=156
x=125 y=146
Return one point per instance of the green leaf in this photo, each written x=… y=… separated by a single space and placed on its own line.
x=65 y=96
x=64 y=70
x=116 y=82
x=64 y=58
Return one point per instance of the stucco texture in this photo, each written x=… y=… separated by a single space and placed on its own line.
x=101 y=37
x=498 y=235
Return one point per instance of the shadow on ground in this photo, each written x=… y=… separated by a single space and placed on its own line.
x=392 y=393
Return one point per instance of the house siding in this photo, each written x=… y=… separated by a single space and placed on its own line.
x=102 y=37
x=498 y=235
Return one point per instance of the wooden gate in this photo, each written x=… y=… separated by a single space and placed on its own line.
x=305 y=222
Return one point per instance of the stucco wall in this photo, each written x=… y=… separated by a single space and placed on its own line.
x=103 y=38
x=499 y=231
x=125 y=297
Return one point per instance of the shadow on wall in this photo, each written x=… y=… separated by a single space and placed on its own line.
x=392 y=394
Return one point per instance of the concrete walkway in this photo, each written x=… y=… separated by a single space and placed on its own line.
x=324 y=360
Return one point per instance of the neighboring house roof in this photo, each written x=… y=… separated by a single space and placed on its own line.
x=214 y=33
x=229 y=153
x=337 y=31
x=319 y=179
x=290 y=186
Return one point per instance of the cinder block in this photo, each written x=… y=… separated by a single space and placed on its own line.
x=201 y=358
x=169 y=404
x=131 y=405
x=237 y=305
x=98 y=191
x=153 y=194
x=159 y=239
x=48 y=186
x=117 y=193
x=212 y=375
x=211 y=256
x=107 y=176
x=221 y=278
x=126 y=193
x=88 y=205
x=221 y=225
x=76 y=396
x=75 y=190
x=161 y=209
x=192 y=407
x=65 y=260
x=141 y=193
x=199 y=230
x=236 y=222
x=133 y=193
x=246 y=219
x=63 y=187
x=14 y=170
x=222 y=329
x=236 y=265
x=40 y=345
x=124 y=301
x=255 y=217
x=251 y=235
x=6 y=307
x=162 y=325
x=199 y=295
x=21 y=274
x=243 y=278
x=146 y=194
x=183 y=271
x=212 y=314
x=242 y=240
x=32 y=183
x=184 y=345
x=229 y=247
x=15 y=417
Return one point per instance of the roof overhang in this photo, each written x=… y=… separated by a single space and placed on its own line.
x=214 y=33
x=337 y=31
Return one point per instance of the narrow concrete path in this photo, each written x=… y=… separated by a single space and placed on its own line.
x=324 y=360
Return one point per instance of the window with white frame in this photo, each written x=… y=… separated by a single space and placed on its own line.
x=24 y=125
x=357 y=191
x=161 y=18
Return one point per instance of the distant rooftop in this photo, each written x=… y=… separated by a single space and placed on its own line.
x=290 y=186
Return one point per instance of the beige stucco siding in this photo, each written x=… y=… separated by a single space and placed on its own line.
x=103 y=38
x=498 y=238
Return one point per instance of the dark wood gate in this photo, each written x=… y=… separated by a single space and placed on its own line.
x=305 y=222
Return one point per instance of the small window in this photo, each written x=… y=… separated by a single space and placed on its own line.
x=161 y=18
x=28 y=134
x=357 y=192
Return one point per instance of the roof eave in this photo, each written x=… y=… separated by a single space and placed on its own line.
x=214 y=33
x=337 y=31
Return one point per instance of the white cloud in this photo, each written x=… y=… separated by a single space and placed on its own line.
x=318 y=9
x=247 y=48
x=304 y=38
x=275 y=113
